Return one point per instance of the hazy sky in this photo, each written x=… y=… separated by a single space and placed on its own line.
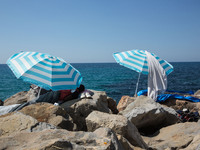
x=92 y=30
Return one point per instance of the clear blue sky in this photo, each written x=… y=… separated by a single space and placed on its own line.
x=92 y=30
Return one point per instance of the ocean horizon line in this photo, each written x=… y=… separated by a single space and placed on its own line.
x=116 y=62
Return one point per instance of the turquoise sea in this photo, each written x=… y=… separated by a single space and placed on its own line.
x=116 y=80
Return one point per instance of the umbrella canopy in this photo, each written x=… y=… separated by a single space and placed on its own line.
x=138 y=60
x=44 y=70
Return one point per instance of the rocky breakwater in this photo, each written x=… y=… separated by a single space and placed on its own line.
x=160 y=125
x=96 y=123
x=47 y=126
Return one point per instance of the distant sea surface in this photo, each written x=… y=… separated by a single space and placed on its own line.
x=116 y=80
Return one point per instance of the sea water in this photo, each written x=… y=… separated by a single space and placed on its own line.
x=116 y=80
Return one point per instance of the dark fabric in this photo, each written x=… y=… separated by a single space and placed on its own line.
x=75 y=95
x=72 y=96
x=1 y=102
x=187 y=116
x=64 y=93
x=50 y=97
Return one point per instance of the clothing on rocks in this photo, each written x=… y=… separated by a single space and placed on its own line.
x=157 y=78
x=163 y=97
x=64 y=93
x=86 y=94
x=7 y=109
x=52 y=97
x=187 y=116
x=49 y=97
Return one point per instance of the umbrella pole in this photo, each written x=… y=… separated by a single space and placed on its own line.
x=39 y=92
x=137 y=83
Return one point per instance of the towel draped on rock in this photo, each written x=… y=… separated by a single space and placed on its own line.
x=164 y=97
x=157 y=78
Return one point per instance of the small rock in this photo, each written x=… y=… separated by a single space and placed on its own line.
x=124 y=102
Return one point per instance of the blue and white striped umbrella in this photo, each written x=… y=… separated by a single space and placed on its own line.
x=137 y=60
x=44 y=70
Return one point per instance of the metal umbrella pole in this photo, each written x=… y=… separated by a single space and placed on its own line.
x=137 y=84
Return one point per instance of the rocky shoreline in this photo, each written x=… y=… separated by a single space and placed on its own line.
x=99 y=123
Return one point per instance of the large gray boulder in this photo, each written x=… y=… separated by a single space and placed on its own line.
x=19 y=98
x=49 y=113
x=79 y=109
x=194 y=145
x=119 y=124
x=13 y=123
x=177 y=136
x=149 y=116
x=101 y=139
